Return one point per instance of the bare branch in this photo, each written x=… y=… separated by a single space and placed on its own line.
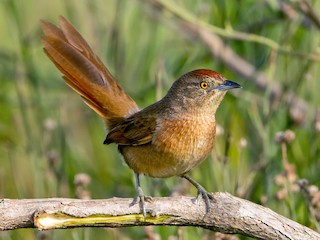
x=308 y=10
x=228 y=214
x=196 y=28
x=185 y=16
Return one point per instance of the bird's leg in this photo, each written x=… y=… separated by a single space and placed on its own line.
x=140 y=198
x=207 y=196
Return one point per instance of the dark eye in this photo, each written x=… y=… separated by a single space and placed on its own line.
x=204 y=85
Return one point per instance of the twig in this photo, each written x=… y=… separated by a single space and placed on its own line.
x=227 y=214
x=188 y=24
x=229 y=33
x=306 y=8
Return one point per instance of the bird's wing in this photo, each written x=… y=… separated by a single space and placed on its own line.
x=135 y=130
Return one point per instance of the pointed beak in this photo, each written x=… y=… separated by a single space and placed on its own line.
x=228 y=85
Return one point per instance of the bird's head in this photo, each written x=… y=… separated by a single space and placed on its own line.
x=200 y=89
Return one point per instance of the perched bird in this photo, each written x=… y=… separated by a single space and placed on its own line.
x=167 y=138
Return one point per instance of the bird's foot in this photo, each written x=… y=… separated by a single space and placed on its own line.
x=206 y=196
x=141 y=199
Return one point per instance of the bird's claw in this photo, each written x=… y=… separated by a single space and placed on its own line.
x=206 y=196
x=141 y=199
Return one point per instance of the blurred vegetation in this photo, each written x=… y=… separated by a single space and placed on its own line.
x=48 y=136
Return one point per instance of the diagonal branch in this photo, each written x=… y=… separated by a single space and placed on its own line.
x=185 y=16
x=228 y=214
x=308 y=10
x=221 y=51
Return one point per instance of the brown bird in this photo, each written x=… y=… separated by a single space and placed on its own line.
x=167 y=138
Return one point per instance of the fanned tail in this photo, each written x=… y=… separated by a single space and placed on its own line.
x=85 y=73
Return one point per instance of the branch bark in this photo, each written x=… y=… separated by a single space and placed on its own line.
x=228 y=214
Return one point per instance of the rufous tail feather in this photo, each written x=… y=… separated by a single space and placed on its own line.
x=85 y=73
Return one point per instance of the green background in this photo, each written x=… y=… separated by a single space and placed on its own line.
x=48 y=135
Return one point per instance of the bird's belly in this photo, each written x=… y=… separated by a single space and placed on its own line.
x=175 y=149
